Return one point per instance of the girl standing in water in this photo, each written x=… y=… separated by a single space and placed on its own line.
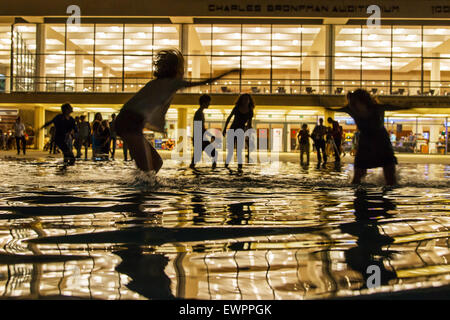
x=374 y=148
x=150 y=106
x=243 y=115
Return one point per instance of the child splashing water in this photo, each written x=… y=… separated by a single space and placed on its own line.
x=149 y=106
x=374 y=149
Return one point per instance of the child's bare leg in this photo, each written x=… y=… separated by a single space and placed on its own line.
x=140 y=151
x=358 y=175
x=389 y=175
x=156 y=161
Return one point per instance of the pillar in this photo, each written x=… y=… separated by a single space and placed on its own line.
x=327 y=114
x=105 y=80
x=436 y=73
x=39 y=121
x=434 y=137
x=184 y=42
x=79 y=61
x=182 y=129
x=329 y=58
x=40 y=57
x=286 y=136
x=7 y=72
x=315 y=72
x=196 y=67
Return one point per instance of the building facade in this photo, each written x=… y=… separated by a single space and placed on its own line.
x=295 y=58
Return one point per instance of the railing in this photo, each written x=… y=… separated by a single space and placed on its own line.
x=230 y=86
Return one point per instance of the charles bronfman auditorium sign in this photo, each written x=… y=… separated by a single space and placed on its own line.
x=333 y=8
x=398 y=9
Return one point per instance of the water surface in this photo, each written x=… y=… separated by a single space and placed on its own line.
x=276 y=232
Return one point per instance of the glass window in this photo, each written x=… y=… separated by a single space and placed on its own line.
x=347 y=61
x=436 y=63
x=5 y=57
x=54 y=57
x=24 y=59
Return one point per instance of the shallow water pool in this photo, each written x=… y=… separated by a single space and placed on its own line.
x=277 y=231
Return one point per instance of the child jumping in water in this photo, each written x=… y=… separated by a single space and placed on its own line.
x=149 y=106
x=374 y=148
x=64 y=129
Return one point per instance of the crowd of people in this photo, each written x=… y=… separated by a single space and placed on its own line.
x=326 y=141
x=67 y=133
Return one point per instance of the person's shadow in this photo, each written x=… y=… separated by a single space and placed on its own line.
x=240 y=213
x=146 y=272
x=370 y=242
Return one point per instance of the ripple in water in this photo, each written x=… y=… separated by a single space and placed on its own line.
x=102 y=230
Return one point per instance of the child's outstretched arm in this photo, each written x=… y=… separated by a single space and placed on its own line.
x=342 y=109
x=390 y=107
x=201 y=83
x=226 y=122
x=47 y=124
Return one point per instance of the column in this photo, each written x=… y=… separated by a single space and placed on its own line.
x=446 y=135
x=329 y=58
x=105 y=80
x=436 y=73
x=327 y=114
x=434 y=137
x=39 y=121
x=184 y=41
x=196 y=68
x=7 y=72
x=286 y=139
x=182 y=130
x=315 y=72
x=40 y=57
x=79 y=81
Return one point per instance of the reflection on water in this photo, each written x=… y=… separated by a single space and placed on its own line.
x=296 y=233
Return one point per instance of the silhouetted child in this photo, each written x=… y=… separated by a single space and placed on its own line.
x=303 y=139
x=319 y=134
x=374 y=147
x=149 y=106
x=199 y=119
x=64 y=129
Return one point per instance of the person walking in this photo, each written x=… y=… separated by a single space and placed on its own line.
x=96 y=143
x=84 y=135
x=318 y=135
x=303 y=137
x=199 y=120
x=19 y=133
x=113 y=135
x=336 y=139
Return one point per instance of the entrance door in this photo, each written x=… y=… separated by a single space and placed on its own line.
x=277 y=139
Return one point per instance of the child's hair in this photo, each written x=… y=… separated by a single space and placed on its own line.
x=206 y=98
x=66 y=107
x=304 y=126
x=168 y=64
x=362 y=96
x=251 y=104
